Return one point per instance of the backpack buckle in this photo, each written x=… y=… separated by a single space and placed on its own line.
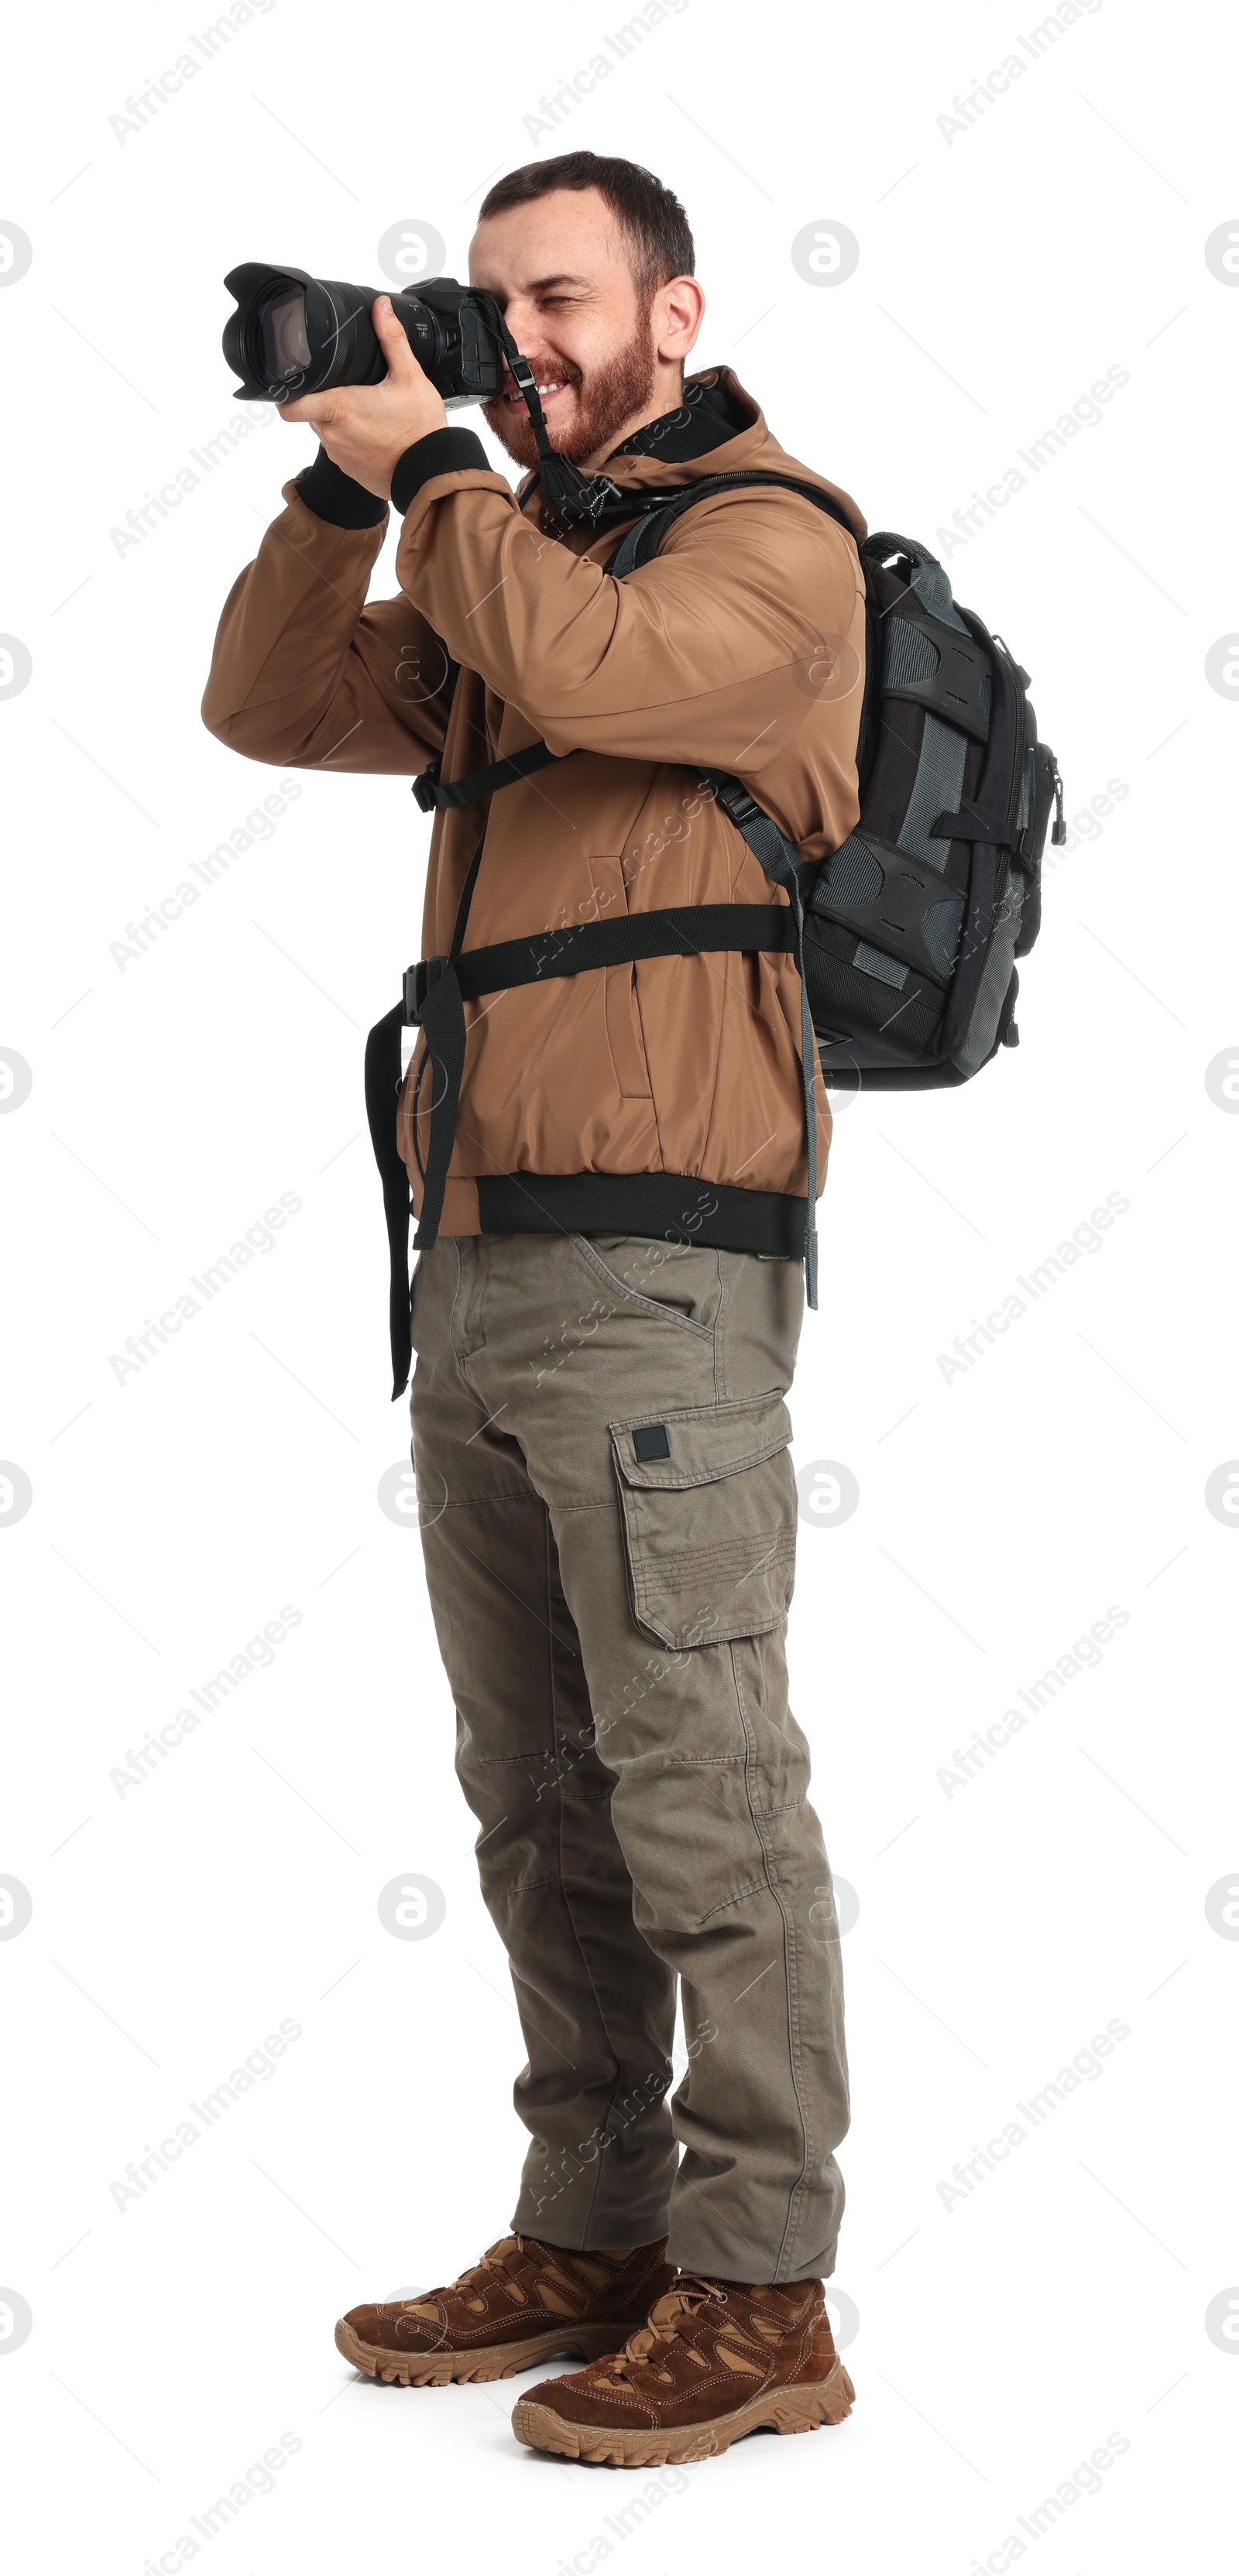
x=736 y=801
x=417 y=982
x=425 y=788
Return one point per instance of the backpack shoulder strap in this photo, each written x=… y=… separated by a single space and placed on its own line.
x=642 y=541
x=782 y=864
x=645 y=536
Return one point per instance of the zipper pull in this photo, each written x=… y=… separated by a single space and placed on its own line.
x=1024 y=677
x=1059 y=833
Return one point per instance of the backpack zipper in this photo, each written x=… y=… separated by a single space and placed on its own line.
x=1003 y=656
x=1059 y=834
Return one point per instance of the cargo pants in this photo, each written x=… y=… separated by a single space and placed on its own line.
x=608 y=1515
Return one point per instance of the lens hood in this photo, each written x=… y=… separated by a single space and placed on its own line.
x=333 y=327
x=255 y=285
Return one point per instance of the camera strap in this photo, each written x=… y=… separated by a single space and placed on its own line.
x=570 y=497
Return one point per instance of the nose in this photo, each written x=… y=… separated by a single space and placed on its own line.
x=521 y=316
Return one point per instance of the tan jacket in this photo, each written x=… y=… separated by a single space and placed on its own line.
x=711 y=654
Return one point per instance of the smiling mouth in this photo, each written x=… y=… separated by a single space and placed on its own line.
x=547 y=393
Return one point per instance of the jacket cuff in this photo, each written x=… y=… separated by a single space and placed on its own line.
x=443 y=451
x=333 y=495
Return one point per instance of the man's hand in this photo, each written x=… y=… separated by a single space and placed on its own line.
x=366 y=428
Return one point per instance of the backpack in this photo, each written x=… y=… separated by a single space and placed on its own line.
x=912 y=927
x=905 y=938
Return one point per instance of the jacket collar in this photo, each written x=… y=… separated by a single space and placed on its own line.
x=715 y=411
x=717 y=429
x=717 y=419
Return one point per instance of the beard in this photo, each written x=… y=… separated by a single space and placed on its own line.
x=605 y=402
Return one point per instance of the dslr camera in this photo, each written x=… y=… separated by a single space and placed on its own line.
x=294 y=334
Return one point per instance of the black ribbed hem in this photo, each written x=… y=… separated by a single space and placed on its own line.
x=442 y=451
x=332 y=495
x=669 y=1205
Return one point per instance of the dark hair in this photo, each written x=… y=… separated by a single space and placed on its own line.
x=651 y=219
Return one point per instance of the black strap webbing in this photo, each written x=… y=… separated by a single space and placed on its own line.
x=687 y=929
x=783 y=866
x=436 y=991
x=971 y=825
x=383 y=1075
x=433 y=797
x=645 y=537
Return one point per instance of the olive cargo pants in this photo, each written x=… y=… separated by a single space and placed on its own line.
x=608 y=1515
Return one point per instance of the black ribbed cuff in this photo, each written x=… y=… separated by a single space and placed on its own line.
x=444 y=451
x=333 y=495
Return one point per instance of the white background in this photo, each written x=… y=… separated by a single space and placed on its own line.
x=1002 y=2338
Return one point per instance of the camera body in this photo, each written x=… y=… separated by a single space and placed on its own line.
x=294 y=334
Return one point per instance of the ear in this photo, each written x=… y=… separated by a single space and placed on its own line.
x=676 y=317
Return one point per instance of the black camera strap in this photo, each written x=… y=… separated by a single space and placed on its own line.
x=570 y=497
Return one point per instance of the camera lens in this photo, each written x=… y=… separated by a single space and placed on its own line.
x=283 y=338
x=294 y=334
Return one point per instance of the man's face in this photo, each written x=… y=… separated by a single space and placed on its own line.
x=561 y=274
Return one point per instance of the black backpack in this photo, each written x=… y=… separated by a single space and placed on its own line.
x=905 y=938
x=913 y=926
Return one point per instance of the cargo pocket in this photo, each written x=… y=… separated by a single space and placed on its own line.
x=708 y=1503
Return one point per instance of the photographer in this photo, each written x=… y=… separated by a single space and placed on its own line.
x=608 y=1303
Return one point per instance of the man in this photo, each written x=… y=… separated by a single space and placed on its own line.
x=606 y=1318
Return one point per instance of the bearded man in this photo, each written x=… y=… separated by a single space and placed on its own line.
x=614 y=1191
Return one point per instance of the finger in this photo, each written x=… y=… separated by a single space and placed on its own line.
x=316 y=408
x=392 y=340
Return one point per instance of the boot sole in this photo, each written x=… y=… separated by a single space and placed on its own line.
x=494 y=2361
x=801 y=2408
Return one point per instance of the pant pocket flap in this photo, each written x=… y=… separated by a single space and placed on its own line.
x=700 y=1442
x=708 y=1506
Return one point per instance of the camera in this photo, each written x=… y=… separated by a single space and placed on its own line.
x=294 y=334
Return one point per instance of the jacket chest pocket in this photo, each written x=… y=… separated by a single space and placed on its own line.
x=708 y=1503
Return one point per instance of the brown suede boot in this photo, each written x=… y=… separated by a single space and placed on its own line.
x=523 y=2302
x=715 y=2360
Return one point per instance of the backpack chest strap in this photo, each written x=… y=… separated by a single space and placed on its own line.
x=437 y=988
x=688 y=929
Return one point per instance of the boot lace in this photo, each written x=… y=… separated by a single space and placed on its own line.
x=693 y=2291
x=497 y=2258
